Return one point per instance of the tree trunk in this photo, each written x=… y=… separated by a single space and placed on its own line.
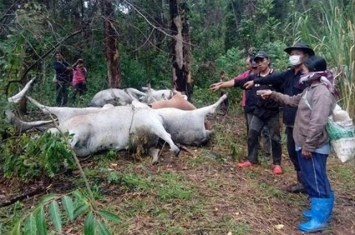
x=187 y=54
x=111 y=44
x=180 y=55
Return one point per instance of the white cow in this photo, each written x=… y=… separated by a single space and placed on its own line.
x=156 y=95
x=120 y=128
x=110 y=96
x=188 y=127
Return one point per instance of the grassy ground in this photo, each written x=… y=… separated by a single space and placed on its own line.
x=203 y=194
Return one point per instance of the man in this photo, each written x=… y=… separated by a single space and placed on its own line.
x=264 y=113
x=290 y=85
x=63 y=76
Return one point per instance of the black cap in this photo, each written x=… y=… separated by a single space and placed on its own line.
x=300 y=46
x=261 y=55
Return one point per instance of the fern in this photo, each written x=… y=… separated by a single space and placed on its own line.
x=63 y=210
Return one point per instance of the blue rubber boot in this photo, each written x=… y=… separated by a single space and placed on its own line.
x=321 y=209
x=308 y=213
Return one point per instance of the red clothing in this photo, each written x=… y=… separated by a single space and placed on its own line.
x=79 y=76
x=242 y=76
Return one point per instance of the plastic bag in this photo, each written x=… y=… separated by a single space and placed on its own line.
x=341 y=132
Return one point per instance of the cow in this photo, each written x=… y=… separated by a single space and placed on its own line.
x=188 y=127
x=112 y=96
x=119 y=128
x=156 y=95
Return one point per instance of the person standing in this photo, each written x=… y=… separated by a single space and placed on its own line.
x=263 y=114
x=290 y=85
x=63 y=76
x=314 y=106
x=79 y=78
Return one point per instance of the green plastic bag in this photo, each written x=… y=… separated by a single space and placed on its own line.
x=342 y=140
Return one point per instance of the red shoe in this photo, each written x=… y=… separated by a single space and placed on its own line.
x=245 y=164
x=277 y=170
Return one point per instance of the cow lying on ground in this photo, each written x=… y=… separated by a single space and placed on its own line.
x=156 y=95
x=118 y=97
x=112 y=96
x=124 y=127
x=119 y=128
x=188 y=127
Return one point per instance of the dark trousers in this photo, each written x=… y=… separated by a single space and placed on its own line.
x=79 y=89
x=255 y=127
x=314 y=175
x=61 y=94
x=264 y=142
x=291 y=148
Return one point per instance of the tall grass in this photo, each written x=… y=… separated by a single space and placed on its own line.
x=329 y=26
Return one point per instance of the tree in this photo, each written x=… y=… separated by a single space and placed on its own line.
x=181 y=47
x=111 y=43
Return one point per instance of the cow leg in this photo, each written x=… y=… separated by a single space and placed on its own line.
x=161 y=132
x=153 y=152
x=211 y=108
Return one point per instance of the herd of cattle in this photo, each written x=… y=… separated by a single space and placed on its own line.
x=124 y=119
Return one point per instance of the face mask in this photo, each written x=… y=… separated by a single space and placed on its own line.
x=295 y=60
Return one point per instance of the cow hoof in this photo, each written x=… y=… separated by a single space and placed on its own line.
x=154 y=163
x=177 y=152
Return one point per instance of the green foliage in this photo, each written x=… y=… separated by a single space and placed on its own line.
x=330 y=27
x=26 y=157
x=68 y=207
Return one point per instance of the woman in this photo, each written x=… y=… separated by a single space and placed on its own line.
x=79 y=78
x=315 y=105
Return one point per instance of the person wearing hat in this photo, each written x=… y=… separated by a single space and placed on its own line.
x=289 y=82
x=264 y=113
x=314 y=106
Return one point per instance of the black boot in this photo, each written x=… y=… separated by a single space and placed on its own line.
x=297 y=188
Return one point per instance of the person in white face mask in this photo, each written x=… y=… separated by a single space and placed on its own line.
x=289 y=81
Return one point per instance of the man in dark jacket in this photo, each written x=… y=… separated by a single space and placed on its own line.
x=264 y=113
x=63 y=77
x=290 y=85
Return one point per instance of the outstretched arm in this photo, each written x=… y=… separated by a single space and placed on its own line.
x=274 y=79
x=219 y=85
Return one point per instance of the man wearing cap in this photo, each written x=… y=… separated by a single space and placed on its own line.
x=290 y=85
x=264 y=113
